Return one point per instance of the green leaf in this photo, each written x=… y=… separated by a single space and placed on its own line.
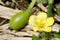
x=41 y=1
x=34 y=37
x=44 y=38
x=46 y=35
x=57 y=35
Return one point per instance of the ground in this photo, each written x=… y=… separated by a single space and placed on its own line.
x=9 y=7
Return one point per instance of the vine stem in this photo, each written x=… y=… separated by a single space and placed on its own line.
x=50 y=5
x=31 y=6
x=58 y=11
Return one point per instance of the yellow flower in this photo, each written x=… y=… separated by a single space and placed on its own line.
x=41 y=22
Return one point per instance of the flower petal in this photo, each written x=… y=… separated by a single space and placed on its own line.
x=41 y=22
x=42 y=15
x=47 y=29
x=49 y=21
x=35 y=29
x=32 y=19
